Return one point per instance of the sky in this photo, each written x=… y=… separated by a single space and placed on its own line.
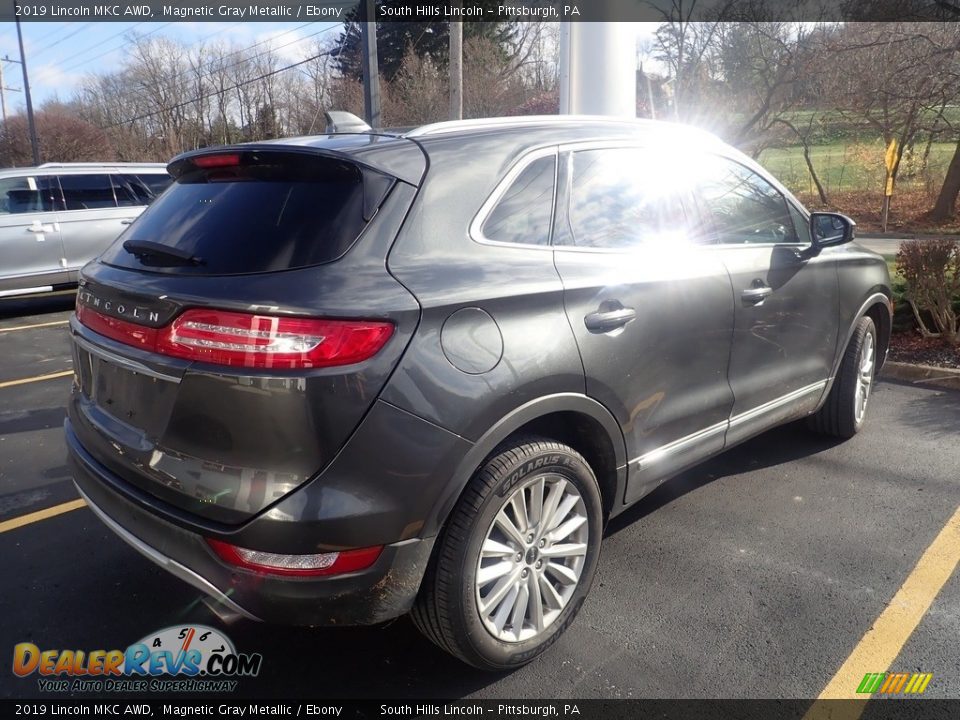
x=60 y=55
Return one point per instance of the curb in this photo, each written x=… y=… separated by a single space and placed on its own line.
x=927 y=375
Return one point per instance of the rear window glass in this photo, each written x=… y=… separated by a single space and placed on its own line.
x=269 y=211
x=140 y=189
x=524 y=213
x=156 y=182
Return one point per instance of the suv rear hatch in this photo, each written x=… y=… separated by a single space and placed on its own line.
x=230 y=341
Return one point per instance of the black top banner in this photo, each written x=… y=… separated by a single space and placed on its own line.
x=520 y=709
x=482 y=10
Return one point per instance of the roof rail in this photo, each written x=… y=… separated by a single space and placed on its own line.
x=517 y=121
x=99 y=164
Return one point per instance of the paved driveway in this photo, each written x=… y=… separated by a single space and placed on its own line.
x=754 y=575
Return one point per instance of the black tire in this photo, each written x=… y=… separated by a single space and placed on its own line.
x=838 y=416
x=447 y=610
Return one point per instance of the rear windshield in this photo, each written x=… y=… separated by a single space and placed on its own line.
x=247 y=212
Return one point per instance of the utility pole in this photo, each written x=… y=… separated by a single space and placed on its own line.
x=371 y=69
x=3 y=95
x=456 y=65
x=34 y=145
x=3 y=86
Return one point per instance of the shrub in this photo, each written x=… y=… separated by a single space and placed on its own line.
x=931 y=269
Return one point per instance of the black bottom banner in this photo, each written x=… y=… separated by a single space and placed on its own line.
x=528 y=709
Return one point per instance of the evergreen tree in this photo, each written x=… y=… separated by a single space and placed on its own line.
x=427 y=40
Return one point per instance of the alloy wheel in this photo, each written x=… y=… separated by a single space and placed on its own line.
x=864 y=377
x=531 y=558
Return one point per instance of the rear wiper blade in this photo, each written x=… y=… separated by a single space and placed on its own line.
x=149 y=253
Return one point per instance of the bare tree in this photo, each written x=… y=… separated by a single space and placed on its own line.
x=888 y=79
x=63 y=137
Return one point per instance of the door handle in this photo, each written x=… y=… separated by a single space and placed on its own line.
x=605 y=321
x=126 y=222
x=37 y=229
x=756 y=295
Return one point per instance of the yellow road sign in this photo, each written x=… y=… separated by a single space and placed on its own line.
x=891 y=156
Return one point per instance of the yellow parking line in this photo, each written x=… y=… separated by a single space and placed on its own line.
x=879 y=648
x=41 y=515
x=36 y=378
x=31 y=327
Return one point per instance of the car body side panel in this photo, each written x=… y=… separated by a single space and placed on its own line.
x=87 y=233
x=664 y=374
x=30 y=250
x=783 y=347
x=529 y=345
x=576 y=403
x=864 y=282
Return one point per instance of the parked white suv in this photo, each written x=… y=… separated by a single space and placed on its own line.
x=56 y=217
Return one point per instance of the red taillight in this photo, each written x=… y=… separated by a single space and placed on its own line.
x=217 y=161
x=333 y=563
x=257 y=341
x=120 y=330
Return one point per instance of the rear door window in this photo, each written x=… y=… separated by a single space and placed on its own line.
x=88 y=192
x=255 y=212
x=622 y=198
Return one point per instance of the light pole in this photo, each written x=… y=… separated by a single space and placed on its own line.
x=371 y=70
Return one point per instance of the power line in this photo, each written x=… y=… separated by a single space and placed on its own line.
x=218 y=92
x=211 y=70
x=100 y=43
x=249 y=59
x=205 y=37
x=113 y=49
x=66 y=37
x=53 y=32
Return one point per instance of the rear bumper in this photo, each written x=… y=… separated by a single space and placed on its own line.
x=381 y=592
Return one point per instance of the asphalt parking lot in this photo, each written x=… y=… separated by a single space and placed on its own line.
x=755 y=575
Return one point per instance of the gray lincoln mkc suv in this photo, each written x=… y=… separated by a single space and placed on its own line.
x=332 y=380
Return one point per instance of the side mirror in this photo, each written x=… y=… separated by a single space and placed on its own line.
x=828 y=229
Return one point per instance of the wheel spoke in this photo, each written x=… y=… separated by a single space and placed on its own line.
x=506 y=607
x=504 y=522
x=550 y=595
x=499 y=590
x=492 y=572
x=536 y=601
x=519 y=505
x=562 y=573
x=554 y=496
x=567 y=528
x=492 y=548
x=566 y=505
x=564 y=550
x=536 y=501
x=520 y=609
